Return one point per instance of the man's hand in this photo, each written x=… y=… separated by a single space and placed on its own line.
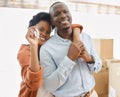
x=76 y=48
x=86 y=56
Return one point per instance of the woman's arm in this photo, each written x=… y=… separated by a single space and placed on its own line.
x=34 y=61
x=76 y=34
x=32 y=80
x=31 y=71
x=77 y=30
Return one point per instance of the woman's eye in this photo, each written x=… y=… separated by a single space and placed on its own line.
x=48 y=32
x=41 y=29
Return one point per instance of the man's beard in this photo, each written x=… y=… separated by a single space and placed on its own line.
x=65 y=29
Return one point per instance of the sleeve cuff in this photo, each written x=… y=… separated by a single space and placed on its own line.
x=34 y=75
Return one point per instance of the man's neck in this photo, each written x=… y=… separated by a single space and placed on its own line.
x=66 y=34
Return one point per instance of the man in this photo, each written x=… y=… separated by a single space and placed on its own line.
x=68 y=66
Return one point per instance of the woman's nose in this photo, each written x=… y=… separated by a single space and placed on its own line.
x=44 y=33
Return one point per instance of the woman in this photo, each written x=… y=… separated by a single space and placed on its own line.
x=28 y=56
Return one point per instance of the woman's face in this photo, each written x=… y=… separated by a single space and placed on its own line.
x=44 y=31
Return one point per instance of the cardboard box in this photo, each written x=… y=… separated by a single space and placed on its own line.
x=104 y=48
x=114 y=75
x=101 y=79
x=108 y=77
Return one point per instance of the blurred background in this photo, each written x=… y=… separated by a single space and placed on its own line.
x=100 y=19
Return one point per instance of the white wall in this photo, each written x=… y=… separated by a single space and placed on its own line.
x=13 y=27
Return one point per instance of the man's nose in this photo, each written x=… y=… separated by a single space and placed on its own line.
x=63 y=15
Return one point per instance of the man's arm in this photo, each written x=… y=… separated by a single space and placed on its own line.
x=55 y=77
x=95 y=64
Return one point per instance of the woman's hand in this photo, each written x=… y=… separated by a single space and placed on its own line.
x=30 y=36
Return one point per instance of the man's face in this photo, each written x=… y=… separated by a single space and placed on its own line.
x=60 y=16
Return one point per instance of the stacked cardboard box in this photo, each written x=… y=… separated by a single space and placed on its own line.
x=114 y=76
x=104 y=48
x=101 y=79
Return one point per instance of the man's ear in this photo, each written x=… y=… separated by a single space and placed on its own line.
x=52 y=21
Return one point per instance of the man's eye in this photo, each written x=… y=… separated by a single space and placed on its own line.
x=56 y=14
x=66 y=11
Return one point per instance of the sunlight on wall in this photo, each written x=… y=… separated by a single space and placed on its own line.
x=13 y=27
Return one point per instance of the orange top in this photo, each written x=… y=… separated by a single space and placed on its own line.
x=31 y=81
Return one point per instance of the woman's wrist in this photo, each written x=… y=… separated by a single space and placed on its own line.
x=34 y=46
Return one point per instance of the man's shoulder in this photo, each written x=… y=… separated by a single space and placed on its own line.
x=85 y=34
x=49 y=42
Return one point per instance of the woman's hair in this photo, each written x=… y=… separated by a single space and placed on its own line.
x=42 y=16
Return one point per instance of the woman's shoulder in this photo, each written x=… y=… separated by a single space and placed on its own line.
x=24 y=46
x=24 y=49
